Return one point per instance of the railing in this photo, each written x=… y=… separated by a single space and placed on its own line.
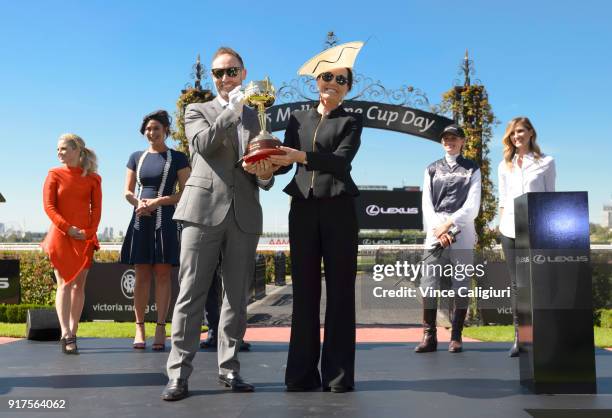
x=108 y=246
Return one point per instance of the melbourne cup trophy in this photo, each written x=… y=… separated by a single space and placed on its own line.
x=261 y=95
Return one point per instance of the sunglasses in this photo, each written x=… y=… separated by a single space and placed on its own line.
x=327 y=77
x=231 y=72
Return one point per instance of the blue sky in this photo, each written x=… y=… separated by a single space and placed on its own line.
x=96 y=67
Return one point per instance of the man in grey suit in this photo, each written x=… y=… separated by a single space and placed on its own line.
x=220 y=212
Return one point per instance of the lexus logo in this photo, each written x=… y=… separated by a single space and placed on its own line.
x=375 y=210
x=540 y=259
x=128 y=280
x=372 y=210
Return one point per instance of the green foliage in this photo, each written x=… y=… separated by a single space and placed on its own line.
x=602 y=285
x=14 y=314
x=90 y=329
x=106 y=256
x=605 y=318
x=599 y=234
x=471 y=106
x=270 y=268
x=187 y=97
x=505 y=333
x=26 y=237
x=36 y=273
x=35 y=276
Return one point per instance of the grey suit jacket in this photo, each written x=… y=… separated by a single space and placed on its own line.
x=215 y=181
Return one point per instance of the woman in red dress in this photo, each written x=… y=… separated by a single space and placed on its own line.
x=72 y=198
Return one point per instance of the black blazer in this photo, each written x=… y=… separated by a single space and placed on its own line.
x=338 y=136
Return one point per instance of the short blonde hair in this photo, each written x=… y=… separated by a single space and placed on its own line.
x=510 y=149
x=87 y=158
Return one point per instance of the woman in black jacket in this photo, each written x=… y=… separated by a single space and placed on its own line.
x=323 y=141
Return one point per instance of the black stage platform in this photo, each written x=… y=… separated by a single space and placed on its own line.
x=109 y=379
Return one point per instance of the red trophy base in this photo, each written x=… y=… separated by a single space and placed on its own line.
x=260 y=149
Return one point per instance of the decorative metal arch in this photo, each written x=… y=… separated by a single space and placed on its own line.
x=364 y=89
x=405 y=109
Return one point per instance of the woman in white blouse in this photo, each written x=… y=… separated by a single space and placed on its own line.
x=524 y=169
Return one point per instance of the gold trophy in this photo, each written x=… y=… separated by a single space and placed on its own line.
x=261 y=95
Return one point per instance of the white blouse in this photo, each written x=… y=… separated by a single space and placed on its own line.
x=536 y=175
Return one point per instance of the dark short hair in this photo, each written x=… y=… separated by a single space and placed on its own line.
x=227 y=50
x=349 y=77
x=160 y=116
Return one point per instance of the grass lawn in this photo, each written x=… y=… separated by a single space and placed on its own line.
x=603 y=336
x=497 y=333
x=90 y=329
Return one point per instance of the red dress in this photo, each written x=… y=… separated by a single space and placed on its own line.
x=71 y=200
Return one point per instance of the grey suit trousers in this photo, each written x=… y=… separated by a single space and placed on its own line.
x=200 y=248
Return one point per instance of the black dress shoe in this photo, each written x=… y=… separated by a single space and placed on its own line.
x=244 y=346
x=210 y=341
x=175 y=390
x=234 y=381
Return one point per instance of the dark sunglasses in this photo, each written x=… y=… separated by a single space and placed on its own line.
x=327 y=77
x=231 y=72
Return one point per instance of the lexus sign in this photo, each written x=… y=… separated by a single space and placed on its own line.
x=375 y=210
x=389 y=209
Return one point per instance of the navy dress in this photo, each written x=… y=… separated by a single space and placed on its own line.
x=154 y=239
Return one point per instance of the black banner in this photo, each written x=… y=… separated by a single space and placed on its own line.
x=375 y=115
x=109 y=293
x=389 y=209
x=498 y=310
x=10 y=289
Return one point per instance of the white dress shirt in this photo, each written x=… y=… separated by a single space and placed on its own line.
x=243 y=139
x=535 y=175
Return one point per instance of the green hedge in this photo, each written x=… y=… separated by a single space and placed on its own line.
x=16 y=314
x=269 y=255
x=36 y=277
x=36 y=273
x=605 y=318
x=38 y=287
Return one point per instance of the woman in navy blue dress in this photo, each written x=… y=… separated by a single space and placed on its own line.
x=152 y=241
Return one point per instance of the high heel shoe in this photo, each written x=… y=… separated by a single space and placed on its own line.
x=66 y=341
x=140 y=345
x=157 y=346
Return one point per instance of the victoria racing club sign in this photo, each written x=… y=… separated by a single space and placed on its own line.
x=109 y=293
x=128 y=281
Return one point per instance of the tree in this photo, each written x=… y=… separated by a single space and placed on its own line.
x=188 y=96
x=470 y=107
